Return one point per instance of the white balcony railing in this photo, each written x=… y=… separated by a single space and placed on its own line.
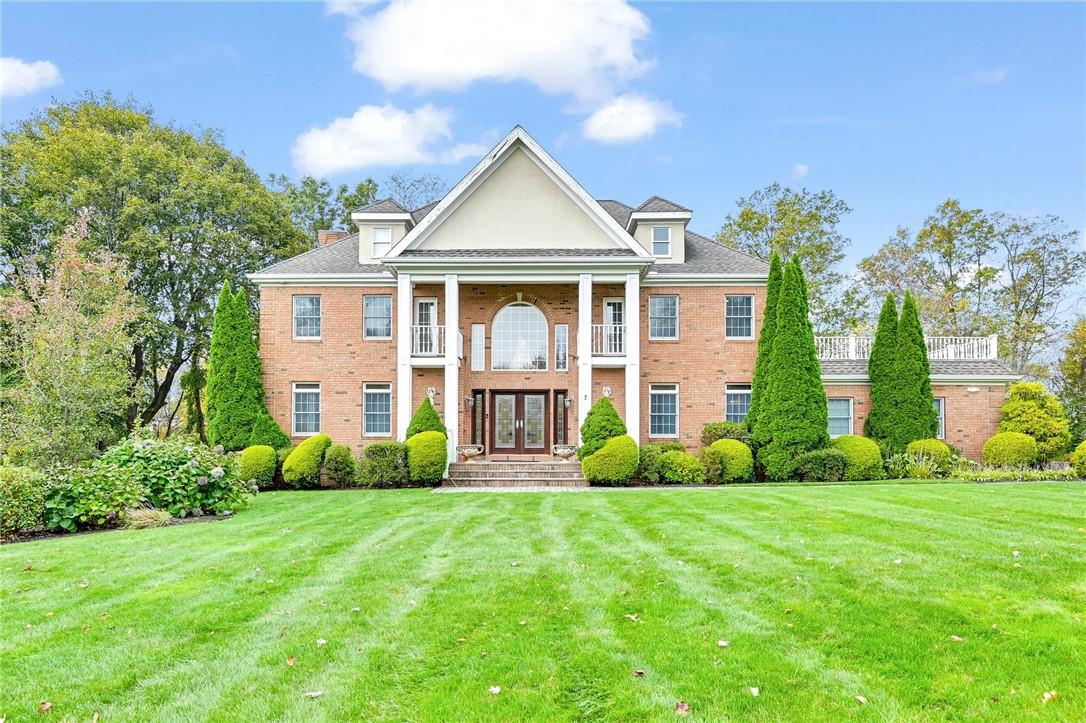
x=427 y=340
x=608 y=339
x=960 y=348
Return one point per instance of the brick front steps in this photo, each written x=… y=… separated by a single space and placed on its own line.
x=515 y=474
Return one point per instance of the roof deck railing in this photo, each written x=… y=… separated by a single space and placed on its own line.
x=957 y=348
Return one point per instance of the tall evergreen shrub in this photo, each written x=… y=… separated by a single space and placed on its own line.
x=600 y=424
x=247 y=377
x=426 y=419
x=755 y=422
x=221 y=367
x=880 y=369
x=914 y=404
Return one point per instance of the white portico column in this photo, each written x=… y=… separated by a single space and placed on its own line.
x=584 y=349
x=633 y=356
x=404 y=313
x=452 y=362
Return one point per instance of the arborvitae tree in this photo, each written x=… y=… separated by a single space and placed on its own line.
x=914 y=404
x=247 y=378
x=757 y=425
x=221 y=368
x=880 y=369
x=193 y=385
x=600 y=424
x=266 y=431
x=426 y=419
x=795 y=400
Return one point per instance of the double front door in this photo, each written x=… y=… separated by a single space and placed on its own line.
x=519 y=422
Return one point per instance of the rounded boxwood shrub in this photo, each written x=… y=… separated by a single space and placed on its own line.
x=384 y=464
x=615 y=463
x=678 y=467
x=600 y=424
x=1078 y=459
x=23 y=491
x=713 y=431
x=864 y=457
x=648 y=468
x=426 y=419
x=1010 y=449
x=728 y=460
x=339 y=465
x=426 y=457
x=1032 y=410
x=258 y=463
x=821 y=465
x=302 y=467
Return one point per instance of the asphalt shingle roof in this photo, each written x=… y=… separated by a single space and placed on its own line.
x=939 y=367
x=705 y=256
x=659 y=204
x=499 y=253
x=339 y=257
x=384 y=205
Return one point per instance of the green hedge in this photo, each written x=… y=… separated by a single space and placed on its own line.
x=426 y=419
x=648 y=468
x=864 y=457
x=1078 y=459
x=615 y=463
x=728 y=460
x=23 y=491
x=267 y=432
x=821 y=465
x=1032 y=410
x=339 y=465
x=713 y=431
x=678 y=467
x=934 y=449
x=302 y=467
x=426 y=457
x=258 y=463
x=384 y=464
x=600 y=424
x=1009 y=449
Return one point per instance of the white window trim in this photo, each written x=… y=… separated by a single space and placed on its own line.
x=373 y=241
x=565 y=366
x=851 y=416
x=546 y=348
x=753 y=317
x=320 y=408
x=392 y=316
x=736 y=389
x=653 y=242
x=674 y=389
x=377 y=386
x=620 y=300
x=420 y=299
x=941 y=432
x=478 y=331
x=648 y=315
x=294 y=326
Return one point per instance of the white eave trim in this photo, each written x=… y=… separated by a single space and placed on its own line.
x=380 y=217
x=655 y=278
x=386 y=279
x=645 y=216
x=935 y=378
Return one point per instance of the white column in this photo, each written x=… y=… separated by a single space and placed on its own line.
x=452 y=363
x=633 y=356
x=584 y=349
x=404 y=313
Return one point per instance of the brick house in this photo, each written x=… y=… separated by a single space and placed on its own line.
x=518 y=299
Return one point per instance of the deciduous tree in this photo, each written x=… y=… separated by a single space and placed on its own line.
x=316 y=205
x=1070 y=380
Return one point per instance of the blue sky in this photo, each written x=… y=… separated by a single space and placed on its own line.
x=894 y=107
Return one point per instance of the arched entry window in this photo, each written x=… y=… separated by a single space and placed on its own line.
x=519 y=339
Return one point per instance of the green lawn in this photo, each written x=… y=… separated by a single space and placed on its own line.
x=425 y=601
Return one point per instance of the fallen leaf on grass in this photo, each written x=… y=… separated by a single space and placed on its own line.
x=633 y=616
x=46 y=705
x=461 y=640
x=495 y=689
x=321 y=642
x=638 y=673
x=682 y=708
x=94 y=718
x=356 y=610
x=723 y=643
x=1016 y=553
x=755 y=692
x=897 y=562
x=84 y=583
x=956 y=639
x=515 y=564
x=314 y=694
x=1049 y=695
x=523 y=622
x=862 y=699
x=290 y=662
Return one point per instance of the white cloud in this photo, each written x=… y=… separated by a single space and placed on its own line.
x=380 y=136
x=350 y=8
x=800 y=171
x=629 y=118
x=586 y=50
x=18 y=77
x=992 y=77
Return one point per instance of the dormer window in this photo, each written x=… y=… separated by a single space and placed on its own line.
x=382 y=241
x=661 y=241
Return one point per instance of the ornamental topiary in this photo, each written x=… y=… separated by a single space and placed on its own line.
x=935 y=450
x=880 y=369
x=1078 y=460
x=1010 y=449
x=614 y=463
x=257 y=463
x=864 y=457
x=728 y=460
x=302 y=467
x=648 y=469
x=426 y=419
x=1031 y=410
x=756 y=421
x=339 y=465
x=713 y=431
x=384 y=464
x=600 y=424
x=267 y=432
x=426 y=457
x=23 y=491
x=914 y=415
x=681 y=468
x=821 y=465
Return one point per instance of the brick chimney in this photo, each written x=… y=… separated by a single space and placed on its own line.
x=326 y=237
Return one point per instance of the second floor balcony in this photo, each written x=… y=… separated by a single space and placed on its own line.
x=954 y=348
x=608 y=340
x=428 y=341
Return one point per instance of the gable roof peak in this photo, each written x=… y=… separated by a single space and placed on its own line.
x=659 y=204
x=384 y=205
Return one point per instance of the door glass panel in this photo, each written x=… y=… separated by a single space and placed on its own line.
x=505 y=406
x=425 y=320
x=533 y=421
x=614 y=317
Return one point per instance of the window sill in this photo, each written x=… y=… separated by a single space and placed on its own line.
x=306 y=338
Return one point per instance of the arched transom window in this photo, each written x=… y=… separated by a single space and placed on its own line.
x=519 y=338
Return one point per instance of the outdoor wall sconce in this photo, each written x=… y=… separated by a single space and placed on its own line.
x=972 y=390
x=568 y=402
x=607 y=392
x=431 y=392
x=469 y=402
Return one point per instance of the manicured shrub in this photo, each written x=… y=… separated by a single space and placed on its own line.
x=1078 y=459
x=713 y=431
x=756 y=422
x=600 y=424
x=280 y=459
x=91 y=497
x=258 y=463
x=426 y=457
x=426 y=419
x=1009 y=449
x=728 y=460
x=880 y=369
x=23 y=491
x=821 y=465
x=614 y=464
x=1031 y=410
x=677 y=467
x=935 y=450
x=914 y=415
x=384 y=464
x=339 y=465
x=648 y=468
x=864 y=457
x=267 y=432
x=302 y=467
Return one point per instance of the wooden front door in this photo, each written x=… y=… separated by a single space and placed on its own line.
x=518 y=423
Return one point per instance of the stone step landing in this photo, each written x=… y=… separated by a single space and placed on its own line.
x=516 y=474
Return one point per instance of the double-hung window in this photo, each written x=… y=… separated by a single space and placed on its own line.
x=382 y=241
x=840 y=415
x=377 y=317
x=306 y=409
x=661 y=241
x=663 y=317
x=736 y=402
x=664 y=410
x=940 y=410
x=307 y=317
x=739 y=317
x=561 y=347
x=377 y=410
